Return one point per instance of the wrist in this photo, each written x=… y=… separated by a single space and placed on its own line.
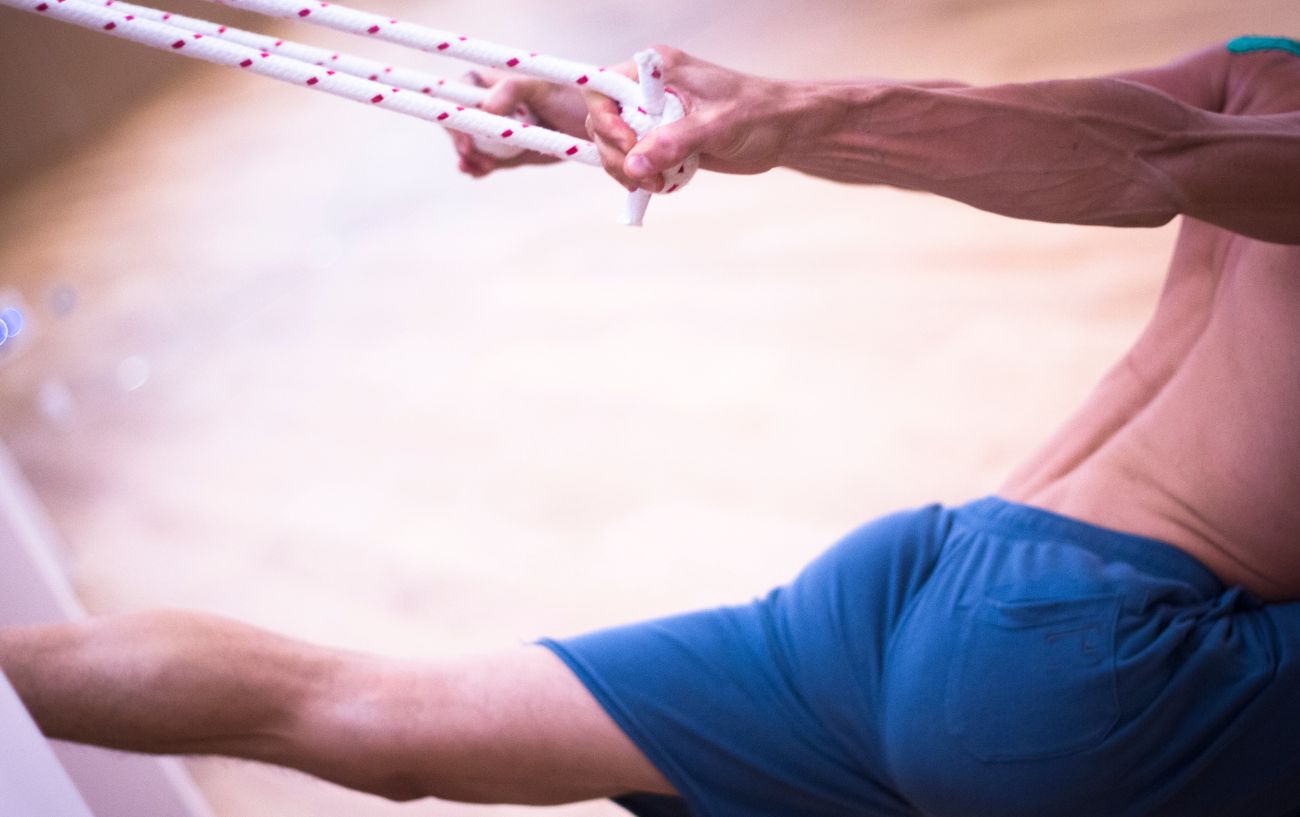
x=817 y=113
x=836 y=133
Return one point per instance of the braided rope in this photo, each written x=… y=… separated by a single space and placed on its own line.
x=434 y=41
x=319 y=70
x=168 y=37
x=403 y=78
x=631 y=96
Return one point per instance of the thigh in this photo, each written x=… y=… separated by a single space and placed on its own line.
x=772 y=708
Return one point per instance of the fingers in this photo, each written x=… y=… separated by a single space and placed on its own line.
x=508 y=97
x=633 y=165
x=606 y=128
x=473 y=162
x=605 y=120
x=611 y=135
x=641 y=165
x=669 y=145
x=477 y=165
x=664 y=148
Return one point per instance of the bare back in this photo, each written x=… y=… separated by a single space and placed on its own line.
x=1194 y=436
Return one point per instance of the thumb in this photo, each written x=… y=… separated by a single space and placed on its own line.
x=665 y=147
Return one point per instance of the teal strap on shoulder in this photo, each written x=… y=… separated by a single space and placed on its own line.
x=1241 y=45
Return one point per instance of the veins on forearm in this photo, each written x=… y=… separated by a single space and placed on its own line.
x=1059 y=151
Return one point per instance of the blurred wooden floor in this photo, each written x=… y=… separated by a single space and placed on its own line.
x=285 y=365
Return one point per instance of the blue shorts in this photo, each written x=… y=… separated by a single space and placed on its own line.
x=990 y=660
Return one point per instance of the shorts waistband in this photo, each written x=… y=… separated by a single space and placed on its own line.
x=1027 y=522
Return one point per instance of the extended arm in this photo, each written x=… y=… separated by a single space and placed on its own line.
x=1094 y=151
x=1135 y=149
x=511 y=727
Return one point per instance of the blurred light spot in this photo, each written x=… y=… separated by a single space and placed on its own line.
x=132 y=373
x=63 y=299
x=4 y=333
x=55 y=401
x=13 y=321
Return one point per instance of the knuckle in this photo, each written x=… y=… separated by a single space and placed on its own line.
x=672 y=56
x=609 y=125
x=612 y=161
x=508 y=90
x=615 y=169
x=627 y=69
x=666 y=143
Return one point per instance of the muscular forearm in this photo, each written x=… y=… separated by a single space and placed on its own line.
x=1094 y=151
x=1085 y=151
x=163 y=683
x=186 y=683
x=1133 y=150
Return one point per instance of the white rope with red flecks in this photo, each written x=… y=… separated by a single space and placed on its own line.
x=645 y=105
x=405 y=79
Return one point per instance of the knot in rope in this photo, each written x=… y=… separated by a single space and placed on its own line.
x=658 y=106
x=646 y=104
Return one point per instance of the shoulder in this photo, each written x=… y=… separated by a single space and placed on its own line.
x=1262 y=75
x=1253 y=43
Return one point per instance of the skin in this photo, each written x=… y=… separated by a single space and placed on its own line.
x=1191 y=438
x=508 y=727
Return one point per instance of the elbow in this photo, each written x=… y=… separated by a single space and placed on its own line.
x=1154 y=218
x=1238 y=175
x=399 y=788
x=1169 y=198
x=1151 y=215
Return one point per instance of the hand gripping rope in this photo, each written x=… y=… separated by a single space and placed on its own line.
x=453 y=105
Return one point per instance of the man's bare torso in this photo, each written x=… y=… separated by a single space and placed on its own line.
x=1194 y=436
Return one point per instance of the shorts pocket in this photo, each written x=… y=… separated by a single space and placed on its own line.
x=1034 y=679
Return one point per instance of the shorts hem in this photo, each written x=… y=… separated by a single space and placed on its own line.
x=654 y=752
